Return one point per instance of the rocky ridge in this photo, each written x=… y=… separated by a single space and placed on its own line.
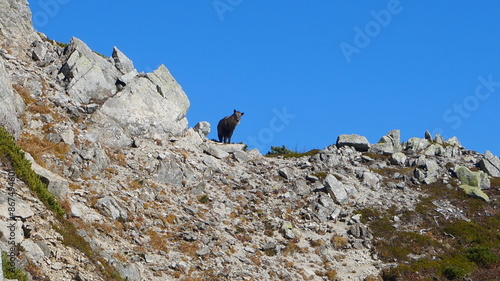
x=159 y=201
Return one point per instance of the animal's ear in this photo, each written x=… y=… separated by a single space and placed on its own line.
x=242 y=113
x=234 y=111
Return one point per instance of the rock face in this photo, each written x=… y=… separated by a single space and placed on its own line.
x=16 y=28
x=155 y=107
x=11 y=104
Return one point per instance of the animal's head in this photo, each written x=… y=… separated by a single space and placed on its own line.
x=237 y=115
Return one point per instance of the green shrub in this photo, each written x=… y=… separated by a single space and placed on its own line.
x=10 y=271
x=453 y=272
x=287 y=153
x=22 y=167
x=481 y=255
x=276 y=150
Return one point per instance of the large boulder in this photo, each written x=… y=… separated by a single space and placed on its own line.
x=388 y=144
x=359 y=143
x=336 y=190
x=56 y=184
x=490 y=164
x=473 y=182
x=11 y=104
x=90 y=77
x=151 y=107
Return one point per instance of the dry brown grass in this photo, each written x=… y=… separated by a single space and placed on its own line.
x=188 y=248
x=136 y=184
x=37 y=148
x=158 y=241
x=338 y=241
x=120 y=257
x=23 y=92
x=170 y=219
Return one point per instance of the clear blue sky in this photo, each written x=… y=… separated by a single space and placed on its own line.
x=306 y=71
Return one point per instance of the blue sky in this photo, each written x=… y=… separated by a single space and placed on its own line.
x=306 y=71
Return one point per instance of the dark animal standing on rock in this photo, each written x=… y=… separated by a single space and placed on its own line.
x=226 y=126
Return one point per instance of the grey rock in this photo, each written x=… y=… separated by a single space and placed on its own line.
x=428 y=136
x=131 y=271
x=215 y=151
x=122 y=62
x=32 y=250
x=22 y=209
x=139 y=110
x=16 y=232
x=110 y=208
x=490 y=164
x=398 y=158
x=80 y=210
x=53 y=137
x=68 y=136
x=336 y=189
x=56 y=184
x=212 y=163
x=388 y=144
x=359 y=143
x=241 y=156
x=285 y=173
x=268 y=246
x=91 y=77
x=434 y=149
x=16 y=28
x=417 y=144
x=419 y=174
x=359 y=230
x=11 y=104
x=203 y=128
x=312 y=178
x=431 y=166
x=438 y=139
x=170 y=172
x=453 y=141
x=474 y=179
x=203 y=251
x=254 y=154
x=300 y=187
x=39 y=51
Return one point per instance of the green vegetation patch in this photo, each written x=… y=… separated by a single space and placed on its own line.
x=432 y=246
x=10 y=271
x=9 y=150
x=287 y=153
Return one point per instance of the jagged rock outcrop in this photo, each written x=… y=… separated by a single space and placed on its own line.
x=490 y=164
x=89 y=77
x=16 y=28
x=11 y=104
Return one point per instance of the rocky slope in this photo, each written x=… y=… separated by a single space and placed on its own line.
x=158 y=201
